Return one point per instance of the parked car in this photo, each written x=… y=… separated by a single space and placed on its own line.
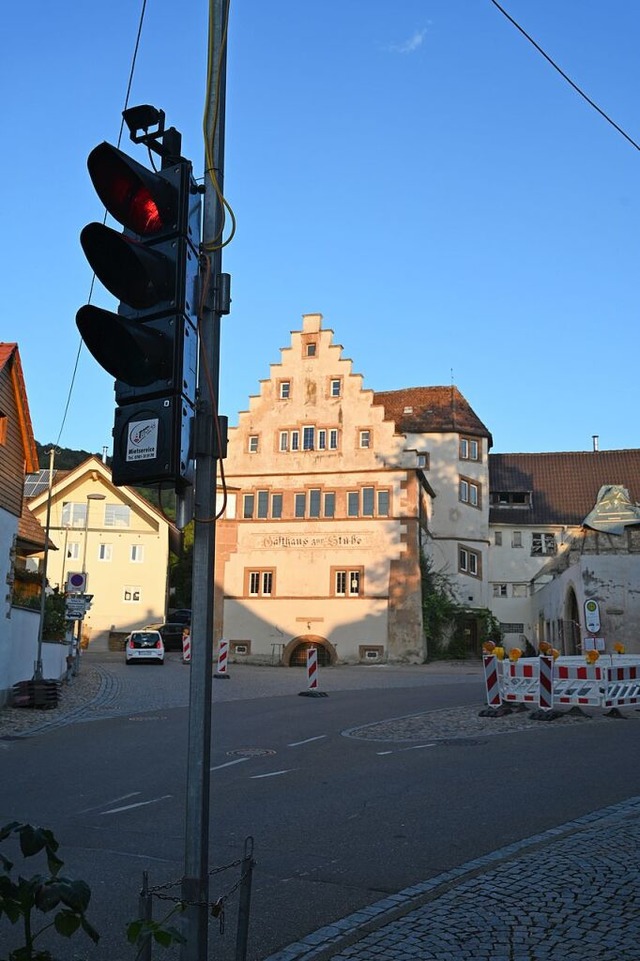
x=171 y=634
x=144 y=645
x=183 y=616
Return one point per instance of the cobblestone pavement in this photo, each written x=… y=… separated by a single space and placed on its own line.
x=568 y=894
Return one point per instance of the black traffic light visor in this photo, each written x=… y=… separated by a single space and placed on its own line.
x=140 y=199
x=140 y=276
x=127 y=349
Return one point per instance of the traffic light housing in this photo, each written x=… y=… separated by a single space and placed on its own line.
x=150 y=345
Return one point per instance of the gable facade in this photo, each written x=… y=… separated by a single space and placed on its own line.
x=117 y=538
x=331 y=494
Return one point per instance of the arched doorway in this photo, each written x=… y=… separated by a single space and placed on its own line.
x=571 y=623
x=295 y=653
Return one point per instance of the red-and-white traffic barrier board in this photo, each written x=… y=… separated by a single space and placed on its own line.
x=521 y=680
x=186 y=647
x=223 y=655
x=575 y=682
x=312 y=674
x=491 y=680
x=546 y=682
x=623 y=684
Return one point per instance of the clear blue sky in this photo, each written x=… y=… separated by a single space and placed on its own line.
x=415 y=171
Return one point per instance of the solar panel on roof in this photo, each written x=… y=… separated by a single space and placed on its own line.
x=35 y=484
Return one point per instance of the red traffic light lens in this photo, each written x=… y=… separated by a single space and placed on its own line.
x=140 y=199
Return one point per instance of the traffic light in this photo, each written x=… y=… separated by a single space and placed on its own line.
x=150 y=344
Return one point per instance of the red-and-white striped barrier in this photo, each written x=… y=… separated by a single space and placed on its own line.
x=623 y=685
x=575 y=682
x=223 y=655
x=312 y=669
x=612 y=681
x=186 y=647
x=491 y=680
x=546 y=682
x=312 y=674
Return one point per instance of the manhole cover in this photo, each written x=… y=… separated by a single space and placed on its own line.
x=250 y=752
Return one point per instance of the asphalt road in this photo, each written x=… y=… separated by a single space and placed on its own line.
x=338 y=820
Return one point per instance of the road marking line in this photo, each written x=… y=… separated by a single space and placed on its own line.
x=112 y=801
x=319 y=737
x=140 y=804
x=238 y=760
x=401 y=750
x=256 y=777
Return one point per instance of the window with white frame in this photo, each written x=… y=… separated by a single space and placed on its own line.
x=543 y=543
x=308 y=438
x=499 y=590
x=314 y=503
x=117 y=515
x=300 y=504
x=263 y=504
x=469 y=449
x=333 y=439
x=73 y=551
x=469 y=562
x=132 y=595
x=329 y=504
x=469 y=492
x=260 y=582
x=311 y=349
x=335 y=387
x=248 y=504
x=368 y=501
x=104 y=552
x=294 y=440
x=383 y=503
x=347 y=583
x=74 y=515
x=285 y=389
x=276 y=506
x=284 y=440
x=365 y=439
x=353 y=503
x=137 y=553
x=322 y=439
x=254 y=440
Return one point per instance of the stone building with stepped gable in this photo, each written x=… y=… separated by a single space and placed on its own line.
x=331 y=491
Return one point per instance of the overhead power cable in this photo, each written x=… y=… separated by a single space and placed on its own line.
x=565 y=77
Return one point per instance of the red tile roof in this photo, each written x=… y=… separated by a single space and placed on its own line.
x=433 y=410
x=10 y=358
x=564 y=485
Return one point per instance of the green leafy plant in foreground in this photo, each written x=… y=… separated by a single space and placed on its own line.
x=21 y=898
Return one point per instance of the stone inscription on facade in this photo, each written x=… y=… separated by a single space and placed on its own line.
x=287 y=541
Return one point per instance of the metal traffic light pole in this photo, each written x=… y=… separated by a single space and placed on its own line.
x=195 y=886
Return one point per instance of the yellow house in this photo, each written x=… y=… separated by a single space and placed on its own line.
x=114 y=536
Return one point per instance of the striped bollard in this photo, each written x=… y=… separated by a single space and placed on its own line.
x=312 y=675
x=186 y=647
x=546 y=682
x=492 y=683
x=223 y=654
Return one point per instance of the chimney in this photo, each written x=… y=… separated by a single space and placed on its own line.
x=595 y=442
